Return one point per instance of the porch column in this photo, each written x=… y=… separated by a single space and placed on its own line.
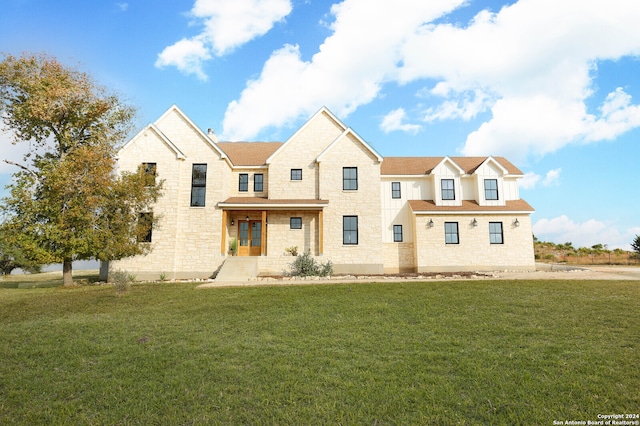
x=223 y=233
x=321 y=233
x=263 y=237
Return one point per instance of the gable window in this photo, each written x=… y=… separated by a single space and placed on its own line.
x=350 y=230
x=395 y=190
x=149 y=173
x=295 y=223
x=243 y=183
x=397 y=233
x=495 y=233
x=198 y=185
x=145 y=227
x=296 y=174
x=349 y=178
x=451 y=233
x=448 y=190
x=258 y=182
x=491 y=189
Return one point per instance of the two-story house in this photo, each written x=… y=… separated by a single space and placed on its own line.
x=324 y=190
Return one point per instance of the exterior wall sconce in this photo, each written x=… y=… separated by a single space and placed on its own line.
x=430 y=223
x=475 y=222
x=231 y=222
x=516 y=223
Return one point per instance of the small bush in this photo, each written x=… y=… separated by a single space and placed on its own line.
x=293 y=250
x=122 y=280
x=306 y=266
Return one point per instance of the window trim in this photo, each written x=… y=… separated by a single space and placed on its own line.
x=492 y=234
x=194 y=185
x=488 y=190
x=293 y=177
x=396 y=193
x=449 y=233
x=350 y=180
x=452 y=189
x=255 y=182
x=397 y=235
x=351 y=232
x=244 y=184
x=291 y=222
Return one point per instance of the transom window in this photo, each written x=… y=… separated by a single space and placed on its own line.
x=397 y=233
x=295 y=223
x=349 y=178
x=349 y=230
x=243 y=183
x=395 y=190
x=198 y=185
x=491 y=189
x=448 y=190
x=451 y=233
x=258 y=182
x=495 y=233
x=296 y=174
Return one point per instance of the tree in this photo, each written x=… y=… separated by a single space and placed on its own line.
x=635 y=245
x=66 y=201
x=12 y=255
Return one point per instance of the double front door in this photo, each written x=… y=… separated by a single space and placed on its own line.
x=249 y=238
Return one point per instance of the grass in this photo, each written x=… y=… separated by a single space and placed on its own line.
x=467 y=352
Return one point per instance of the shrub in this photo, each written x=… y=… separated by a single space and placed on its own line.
x=122 y=280
x=305 y=265
x=293 y=250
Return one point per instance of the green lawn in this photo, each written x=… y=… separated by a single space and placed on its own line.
x=466 y=352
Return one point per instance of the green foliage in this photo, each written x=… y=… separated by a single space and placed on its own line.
x=305 y=266
x=13 y=254
x=233 y=246
x=635 y=245
x=293 y=250
x=67 y=201
x=121 y=280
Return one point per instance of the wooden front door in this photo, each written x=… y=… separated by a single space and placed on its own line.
x=249 y=238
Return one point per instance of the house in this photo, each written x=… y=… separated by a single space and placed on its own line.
x=326 y=191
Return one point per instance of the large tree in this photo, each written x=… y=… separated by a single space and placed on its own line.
x=66 y=201
x=635 y=245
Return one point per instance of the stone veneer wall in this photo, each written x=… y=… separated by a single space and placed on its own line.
x=474 y=252
x=399 y=257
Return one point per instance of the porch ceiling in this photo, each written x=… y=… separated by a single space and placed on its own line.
x=257 y=203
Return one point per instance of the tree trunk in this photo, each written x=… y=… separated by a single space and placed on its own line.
x=67 y=276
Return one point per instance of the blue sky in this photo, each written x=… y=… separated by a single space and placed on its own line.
x=551 y=85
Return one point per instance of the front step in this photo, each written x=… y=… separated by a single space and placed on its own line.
x=238 y=268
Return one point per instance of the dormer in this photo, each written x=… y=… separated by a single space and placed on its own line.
x=489 y=182
x=447 y=183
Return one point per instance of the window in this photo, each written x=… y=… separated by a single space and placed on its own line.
x=150 y=173
x=495 y=233
x=397 y=233
x=145 y=227
x=395 y=190
x=350 y=230
x=243 y=184
x=296 y=174
x=198 y=185
x=491 y=189
x=295 y=223
x=451 y=233
x=258 y=182
x=349 y=178
x=448 y=191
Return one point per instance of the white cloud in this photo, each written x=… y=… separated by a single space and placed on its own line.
x=11 y=152
x=395 y=121
x=552 y=177
x=562 y=229
x=529 y=181
x=530 y=64
x=122 y=6
x=228 y=24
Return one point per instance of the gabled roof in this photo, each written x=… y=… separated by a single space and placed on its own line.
x=344 y=134
x=152 y=127
x=425 y=165
x=469 y=206
x=249 y=153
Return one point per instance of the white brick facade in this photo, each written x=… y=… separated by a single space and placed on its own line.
x=194 y=241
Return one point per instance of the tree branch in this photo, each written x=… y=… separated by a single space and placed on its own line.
x=26 y=169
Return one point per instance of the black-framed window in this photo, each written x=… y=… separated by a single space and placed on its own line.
x=495 y=233
x=451 y=233
x=243 y=182
x=198 y=185
x=395 y=190
x=491 y=189
x=258 y=182
x=397 y=233
x=295 y=223
x=350 y=230
x=448 y=189
x=349 y=178
x=296 y=174
x=145 y=227
x=150 y=173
